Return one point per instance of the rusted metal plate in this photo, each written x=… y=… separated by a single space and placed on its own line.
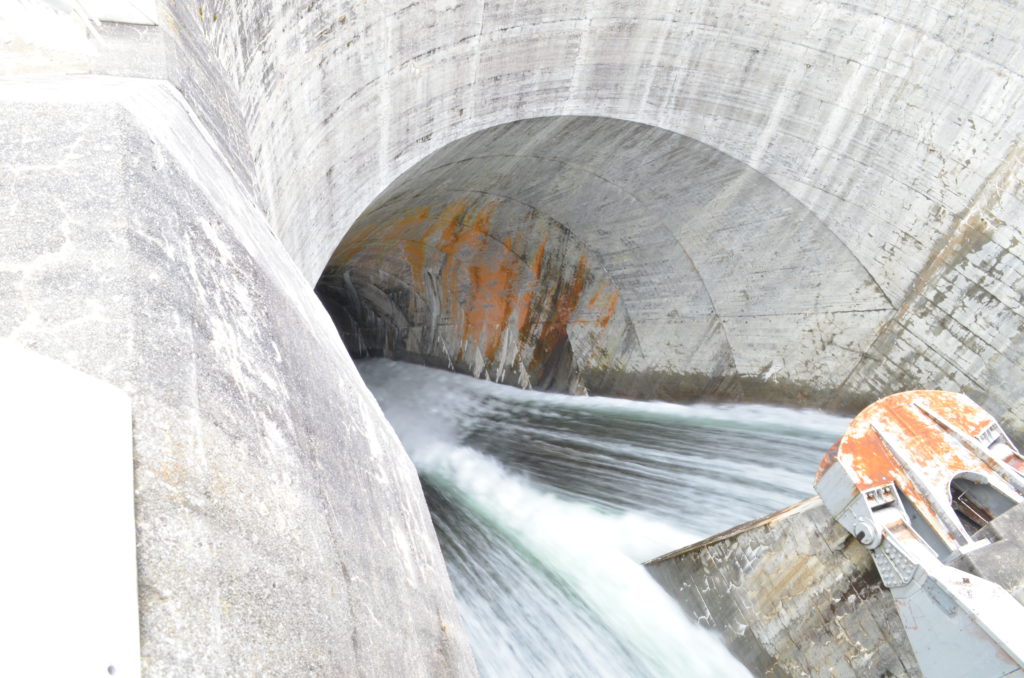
x=918 y=478
x=921 y=441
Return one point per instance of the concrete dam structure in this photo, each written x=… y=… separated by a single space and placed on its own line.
x=793 y=201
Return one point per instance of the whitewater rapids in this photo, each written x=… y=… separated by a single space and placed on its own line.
x=546 y=505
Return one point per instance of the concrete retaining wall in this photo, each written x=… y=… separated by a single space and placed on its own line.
x=792 y=594
x=281 y=528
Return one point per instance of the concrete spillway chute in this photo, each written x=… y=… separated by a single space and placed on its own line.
x=908 y=564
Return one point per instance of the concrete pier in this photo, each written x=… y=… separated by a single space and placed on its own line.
x=791 y=594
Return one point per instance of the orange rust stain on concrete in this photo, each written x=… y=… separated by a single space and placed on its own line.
x=554 y=330
x=448 y=221
x=597 y=295
x=363 y=240
x=481 y=221
x=613 y=303
x=484 y=274
x=490 y=303
x=569 y=302
x=524 y=302
x=416 y=256
x=538 y=259
x=487 y=284
x=603 y=303
x=524 y=305
x=413 y=218
x=353 y=244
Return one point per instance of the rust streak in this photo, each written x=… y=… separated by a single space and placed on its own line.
x=613 y=304
x=554 y=331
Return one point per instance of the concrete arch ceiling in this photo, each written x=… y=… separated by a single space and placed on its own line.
x=878 y=116
x=898 y=124
x=600 y=255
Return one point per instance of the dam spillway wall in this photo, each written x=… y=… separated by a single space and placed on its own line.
x=281 y=527
x=175 y=189
x=897 y=135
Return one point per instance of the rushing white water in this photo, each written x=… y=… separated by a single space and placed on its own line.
x=545 y=506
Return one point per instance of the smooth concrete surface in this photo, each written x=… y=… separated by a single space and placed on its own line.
x=281 y=528
x=792 y=594
x=67 y=507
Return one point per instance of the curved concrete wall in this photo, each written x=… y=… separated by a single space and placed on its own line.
x=598 y=255
x=896 y=125
x=281 y=528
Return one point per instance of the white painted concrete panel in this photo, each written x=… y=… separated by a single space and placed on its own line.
x=122 y=11
x=68 y=591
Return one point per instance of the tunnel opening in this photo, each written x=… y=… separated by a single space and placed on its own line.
x=596 y=255
x=474 y=298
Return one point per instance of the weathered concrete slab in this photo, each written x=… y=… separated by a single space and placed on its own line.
x=281 y=528
x=791 y=594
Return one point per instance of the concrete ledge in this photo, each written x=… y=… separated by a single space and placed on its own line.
x=791 y=594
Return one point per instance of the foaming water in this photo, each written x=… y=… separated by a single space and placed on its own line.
x=545 y=506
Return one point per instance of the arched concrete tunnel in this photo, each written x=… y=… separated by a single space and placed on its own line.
x=795 y=200
x=602 y=256
x=839 y=245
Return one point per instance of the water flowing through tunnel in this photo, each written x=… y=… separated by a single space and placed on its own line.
x=793 y=201
x=593 y=255
x=546 y=505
